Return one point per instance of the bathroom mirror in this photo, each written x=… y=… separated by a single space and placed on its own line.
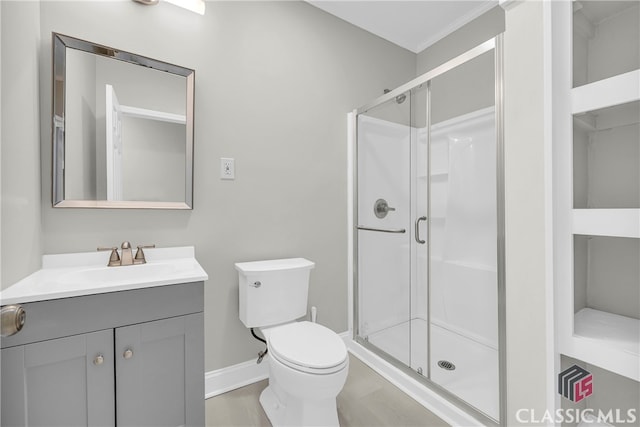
x=122 y=129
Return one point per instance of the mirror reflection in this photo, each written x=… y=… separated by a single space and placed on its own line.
x=123 y=134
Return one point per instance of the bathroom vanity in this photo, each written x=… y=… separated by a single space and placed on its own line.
x=126 y=349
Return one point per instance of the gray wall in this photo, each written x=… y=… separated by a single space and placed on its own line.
x=468 y=87
x=21 y=234
x=273 y=83
x=471 y=35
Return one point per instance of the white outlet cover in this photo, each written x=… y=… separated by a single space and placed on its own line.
x=227 y=168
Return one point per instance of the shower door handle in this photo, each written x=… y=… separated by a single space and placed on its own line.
x=417 y=236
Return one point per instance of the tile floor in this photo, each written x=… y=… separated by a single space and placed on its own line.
x=367 y=400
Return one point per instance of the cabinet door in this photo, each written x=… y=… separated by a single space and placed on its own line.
x=61 y=382
x=160 y=373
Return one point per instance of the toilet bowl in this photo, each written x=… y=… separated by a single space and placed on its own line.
x=308 y=366
x=308 y=362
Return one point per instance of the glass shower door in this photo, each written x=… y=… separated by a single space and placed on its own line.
x=383 y=227
x=463 y=284
x=429 y=241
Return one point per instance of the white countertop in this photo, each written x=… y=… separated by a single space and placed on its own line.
x=86 y=273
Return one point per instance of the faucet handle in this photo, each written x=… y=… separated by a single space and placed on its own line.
x=114 y=259
x=139 y=258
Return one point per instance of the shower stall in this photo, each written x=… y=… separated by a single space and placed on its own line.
x=428 y=251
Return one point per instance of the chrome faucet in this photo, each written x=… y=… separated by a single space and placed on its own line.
x=126 y=257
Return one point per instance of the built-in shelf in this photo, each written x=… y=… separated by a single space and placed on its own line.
x=607 y=222
x=606 y=158
x=595 y=155
x=585 y=122
x=609 y=117
x=606 y=340
x=615 y=90
x=605 y=39
x=613 y=330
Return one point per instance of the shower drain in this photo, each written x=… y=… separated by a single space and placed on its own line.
x=445 y=364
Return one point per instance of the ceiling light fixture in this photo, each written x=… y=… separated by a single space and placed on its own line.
x=196 y=6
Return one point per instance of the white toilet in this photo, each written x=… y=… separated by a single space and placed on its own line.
x=308 y=362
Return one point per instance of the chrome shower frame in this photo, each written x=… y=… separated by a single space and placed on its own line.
x=496 y=44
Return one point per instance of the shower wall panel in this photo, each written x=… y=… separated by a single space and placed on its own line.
x=463 y=227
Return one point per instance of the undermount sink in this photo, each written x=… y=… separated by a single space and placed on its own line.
x=111 y=275
x=71 y=275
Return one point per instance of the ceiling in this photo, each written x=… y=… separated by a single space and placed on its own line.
x=414 y=25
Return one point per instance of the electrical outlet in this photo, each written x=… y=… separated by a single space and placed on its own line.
x=227 y=168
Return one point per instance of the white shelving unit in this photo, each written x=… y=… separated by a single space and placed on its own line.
x=616 y=90
x=596 y=181
x=607 y=222
x=619 y=331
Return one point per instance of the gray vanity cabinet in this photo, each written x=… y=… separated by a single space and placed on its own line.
x=60 y=382
x=130 y=358
x=154 y=385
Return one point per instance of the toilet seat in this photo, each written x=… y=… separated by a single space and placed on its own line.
x=307 y=347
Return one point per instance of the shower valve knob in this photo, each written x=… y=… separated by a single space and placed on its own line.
x=381 y=208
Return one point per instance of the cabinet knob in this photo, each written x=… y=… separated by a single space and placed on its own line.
x=98 y=360
x=128 y=354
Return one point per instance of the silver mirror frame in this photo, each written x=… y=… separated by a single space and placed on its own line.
x=60 y=44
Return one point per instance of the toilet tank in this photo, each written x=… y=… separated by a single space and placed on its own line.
x=274 y=291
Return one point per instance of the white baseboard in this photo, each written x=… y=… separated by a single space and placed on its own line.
x=245 y=373
x=233 y=377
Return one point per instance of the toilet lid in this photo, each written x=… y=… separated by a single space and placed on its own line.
x=307 y=345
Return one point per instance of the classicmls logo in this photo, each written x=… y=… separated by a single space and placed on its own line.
x=575 y=383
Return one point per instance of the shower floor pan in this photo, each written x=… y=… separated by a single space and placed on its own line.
x=475 y=377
